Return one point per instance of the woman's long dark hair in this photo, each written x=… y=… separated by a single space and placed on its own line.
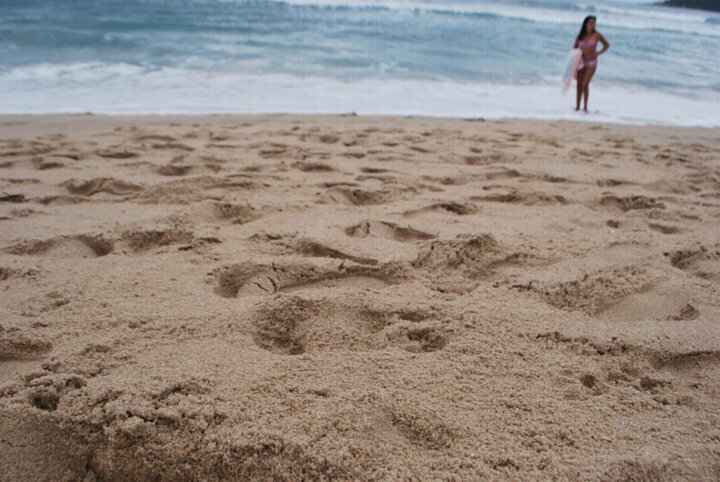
x=583 y=30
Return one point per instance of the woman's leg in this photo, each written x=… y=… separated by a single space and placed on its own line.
x=587 y=77
x=580 y=87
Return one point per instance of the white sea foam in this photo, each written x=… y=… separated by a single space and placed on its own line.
x=126 y=89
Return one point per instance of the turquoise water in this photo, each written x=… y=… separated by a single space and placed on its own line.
x=453 y=58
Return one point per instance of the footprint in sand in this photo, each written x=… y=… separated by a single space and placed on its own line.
x=374 y=170
x=421 y=150
x=612 y=182
x=44 y=164
x=101 y=185
x=526 y=198
x=338 y=184
x=421 y=426
x=292 y=325
x=15 y=345
x=291 y=244
x=693 y=360
x=664 y=228
x=471 y=256
x=191 y=190
x=309 y=247
x=490 y=158
x=701 y=262
x=357 y=197
x=80 y=246
x=259 y=279
x=422 y=338
x=594 y=291
x=45 y=390
x=629 y=203
x=23 y=213
x=154 y=137
x=451 y=180
x=461 y=209
x=13 y=198
x=144 y=239
x=62 y=200
x=284 y=326
x=672 y=157
x=312 y=167
x=7 y=273
x=183 y=165
x=174 y=169
x=387 y=230
x=376 y=177
x=172 y=146
x=328 y=139
x=277 y=151
x=17 y=148
x=687 y=312
x=500 y=172
x=222 y=212
x=117 y=153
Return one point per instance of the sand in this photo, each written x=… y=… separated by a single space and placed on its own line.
x=352 y=298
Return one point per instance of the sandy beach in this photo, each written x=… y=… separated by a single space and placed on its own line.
x=357 y=298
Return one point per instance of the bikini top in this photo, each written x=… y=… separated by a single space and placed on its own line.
x=592 y=42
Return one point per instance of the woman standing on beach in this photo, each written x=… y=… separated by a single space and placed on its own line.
x=587 y=41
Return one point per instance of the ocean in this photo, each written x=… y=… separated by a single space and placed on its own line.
x=454 y=58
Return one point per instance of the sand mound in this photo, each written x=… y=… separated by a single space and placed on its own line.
x=594 y=291
x=474 y=256
x=189 y=190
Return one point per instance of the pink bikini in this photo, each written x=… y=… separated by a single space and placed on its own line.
x=591 y=42
x=588 y=43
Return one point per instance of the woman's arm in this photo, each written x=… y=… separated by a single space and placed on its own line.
x=577 y=43
x=604 y=42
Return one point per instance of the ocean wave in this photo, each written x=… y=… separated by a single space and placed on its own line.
x=634 y=16
x=79 y=73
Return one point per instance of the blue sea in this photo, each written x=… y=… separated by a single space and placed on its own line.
x=454 y=58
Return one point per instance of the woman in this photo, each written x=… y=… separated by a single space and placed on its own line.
x=587 y=41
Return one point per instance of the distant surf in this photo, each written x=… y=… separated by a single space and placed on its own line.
x=709 y=5
x=455 y=58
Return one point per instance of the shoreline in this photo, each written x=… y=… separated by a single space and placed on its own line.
x=612 y=103
x=288 y=297
x=16 y=124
